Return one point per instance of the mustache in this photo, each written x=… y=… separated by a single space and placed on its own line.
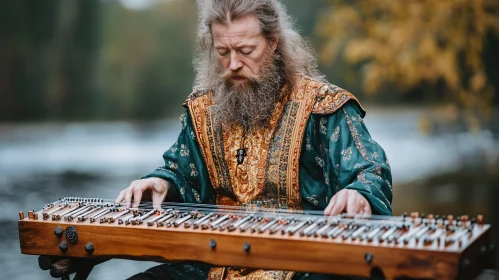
x=229 y=74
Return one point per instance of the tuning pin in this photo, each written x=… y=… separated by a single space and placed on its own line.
x=450 y=218
x=414 y=215
x=247 y=247
x=479 y=219
x=213 y=244
x=464 y=219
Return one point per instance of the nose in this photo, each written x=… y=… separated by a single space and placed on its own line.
x=235 y=62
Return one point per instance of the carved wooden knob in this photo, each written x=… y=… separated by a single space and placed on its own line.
x=71 y=234
x=63 y=246
x=58 y=231
x=89 y=248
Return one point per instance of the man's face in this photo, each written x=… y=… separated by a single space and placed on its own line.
x=241 y=49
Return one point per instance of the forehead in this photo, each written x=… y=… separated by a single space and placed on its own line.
x=238 y=31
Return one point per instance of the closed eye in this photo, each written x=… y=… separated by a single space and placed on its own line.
x=222 y=51
x=246 y=51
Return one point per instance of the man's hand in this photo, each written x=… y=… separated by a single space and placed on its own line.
x=151 y=188
x=349 y=201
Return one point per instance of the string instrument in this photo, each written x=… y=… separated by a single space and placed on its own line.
x=414 y=245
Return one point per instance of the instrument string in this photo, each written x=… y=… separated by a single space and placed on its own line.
x=251 y=209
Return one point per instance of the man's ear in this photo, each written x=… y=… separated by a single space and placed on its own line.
x=274 y=43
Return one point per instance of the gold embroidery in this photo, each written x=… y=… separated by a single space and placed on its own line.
x=331 y=99
x=306 y=92
x=248 y=178
x=215 y=137
x=209 y=135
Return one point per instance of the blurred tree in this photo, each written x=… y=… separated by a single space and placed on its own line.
x=147 y=63
x=416 y=46
x=95 y=59
x=48 y=58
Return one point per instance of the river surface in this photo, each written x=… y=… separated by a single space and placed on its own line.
x=40 y=162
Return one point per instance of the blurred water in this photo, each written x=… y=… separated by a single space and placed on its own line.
x=41 y=162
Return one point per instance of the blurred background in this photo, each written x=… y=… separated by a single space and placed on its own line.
x=91 y=92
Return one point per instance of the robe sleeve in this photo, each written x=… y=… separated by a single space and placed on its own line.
x=185 y=169
x=339 y=153
x=358 y=161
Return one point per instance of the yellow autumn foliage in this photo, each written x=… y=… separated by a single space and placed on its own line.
x=404 y=43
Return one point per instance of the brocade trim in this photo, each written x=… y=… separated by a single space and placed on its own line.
x=215 y=136
x=278 y=156
x=195 y=95
x=207 y=135
x=331 y=98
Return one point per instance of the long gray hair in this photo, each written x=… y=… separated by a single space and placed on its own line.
x=296 y=55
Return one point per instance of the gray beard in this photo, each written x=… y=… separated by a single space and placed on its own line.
x=249 y=104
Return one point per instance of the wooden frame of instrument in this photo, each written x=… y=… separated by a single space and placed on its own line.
x=282 y=252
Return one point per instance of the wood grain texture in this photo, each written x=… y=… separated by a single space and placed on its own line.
x=307 y=254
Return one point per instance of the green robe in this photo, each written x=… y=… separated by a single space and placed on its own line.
x=337 y=153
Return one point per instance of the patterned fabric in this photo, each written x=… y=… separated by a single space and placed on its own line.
x=337 y=152
x=270 y=170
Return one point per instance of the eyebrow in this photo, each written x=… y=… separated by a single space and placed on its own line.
x=238 y=47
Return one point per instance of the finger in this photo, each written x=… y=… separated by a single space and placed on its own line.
x=157 y=200
x=159 y=192
x=340 y=204
x=327 y=211
x=137 y=197
x=128 y=196
x=120 y=197
x=353 y=204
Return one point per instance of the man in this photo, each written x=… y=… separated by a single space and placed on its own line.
x=263 y=128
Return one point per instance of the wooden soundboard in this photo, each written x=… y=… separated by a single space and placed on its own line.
x=412 y=245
